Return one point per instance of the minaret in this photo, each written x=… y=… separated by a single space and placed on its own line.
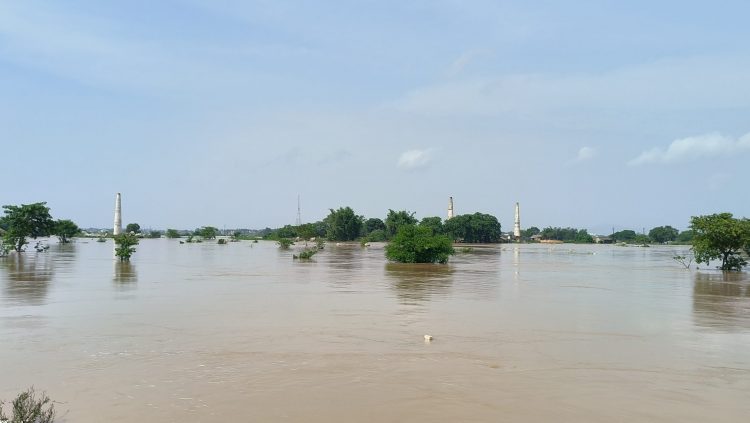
x=118 y=216
x=450 y=207
x=517 y=223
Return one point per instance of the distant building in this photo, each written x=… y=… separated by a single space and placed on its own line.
x=601 y=239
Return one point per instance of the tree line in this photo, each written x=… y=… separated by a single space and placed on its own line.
x=718 y=236
x=343 y=224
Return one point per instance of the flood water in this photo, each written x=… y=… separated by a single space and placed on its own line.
x=241 y=332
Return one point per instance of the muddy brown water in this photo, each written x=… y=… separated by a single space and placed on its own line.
x=241 y=332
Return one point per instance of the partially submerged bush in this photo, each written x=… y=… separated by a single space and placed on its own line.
x=221 y=241
x=418 y=244
x=27 y=408
x=125 y=245
x=285 y=243
x=306 y=254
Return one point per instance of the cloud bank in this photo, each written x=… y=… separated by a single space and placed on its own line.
x=694 y=148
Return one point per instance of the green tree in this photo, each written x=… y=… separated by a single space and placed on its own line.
x=133 y=228
x=27 y=220
x=529 y=232
x=208 y=232
x=172 y=233
x=435 y=223
x=65 y=229
x=583 y=237
x=306 y=231
x=343 y=224
x=125 y=245
x=154 y=234
x=373 y=224
x=418 y=244
x=378 y=235
x=580 y=236
x=685 y=237
x=641 y=239
x=396 y=219
x=474 y=228
x=626 y=235
x=663 y=234
x=721 y=236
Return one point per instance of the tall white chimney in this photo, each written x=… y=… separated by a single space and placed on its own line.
x=118 y=215
x=450 y=207
x=517 y=223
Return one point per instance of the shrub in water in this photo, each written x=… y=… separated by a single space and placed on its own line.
x=27 y=408
x=418 y=244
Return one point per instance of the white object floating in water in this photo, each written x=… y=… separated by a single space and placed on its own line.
x=428 y=338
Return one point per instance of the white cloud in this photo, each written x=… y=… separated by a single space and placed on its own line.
x=694 y=148
x=585 y=153
x=414 y=159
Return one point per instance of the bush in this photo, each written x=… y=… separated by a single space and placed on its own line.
x=221 y=241
x=418 y=244
x=27 y=408
x=306 y=254
x=125 y=245
x=285 y=243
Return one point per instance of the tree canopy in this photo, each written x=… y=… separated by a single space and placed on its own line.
x=435 y=223
x=685 y=237
x=418 y=244
x=663 y=234
x=529 y=232
x=474 y=228
x=27 y=220
x=578 y=236
x=626 y=235
x=721 y=237
x=126 y=243
x=65 y=229
x=172 y=233
x=133 y=228
x=373 y=224
x=343 y=224
x=208 y=232
x=397 y=219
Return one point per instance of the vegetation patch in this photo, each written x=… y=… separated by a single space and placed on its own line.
x=418 y=244
x=28 y=407
x=125 y=245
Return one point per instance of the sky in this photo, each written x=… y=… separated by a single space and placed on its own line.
x=590 y=114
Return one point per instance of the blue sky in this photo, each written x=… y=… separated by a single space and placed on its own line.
x=591 y=114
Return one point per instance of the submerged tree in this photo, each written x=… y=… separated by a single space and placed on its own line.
x=65 y=229
x=396 y=219
x=133 y=227
x=418 y=244
x=125 y=245
x=208 y=232
x=26 y=221
x=662 y=234
x=474 y=228
x=721 y=237
x=343 y=224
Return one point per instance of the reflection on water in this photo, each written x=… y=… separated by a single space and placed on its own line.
x=28 y=277
x=125 y=276
x=416 y=283
x=720 y=300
